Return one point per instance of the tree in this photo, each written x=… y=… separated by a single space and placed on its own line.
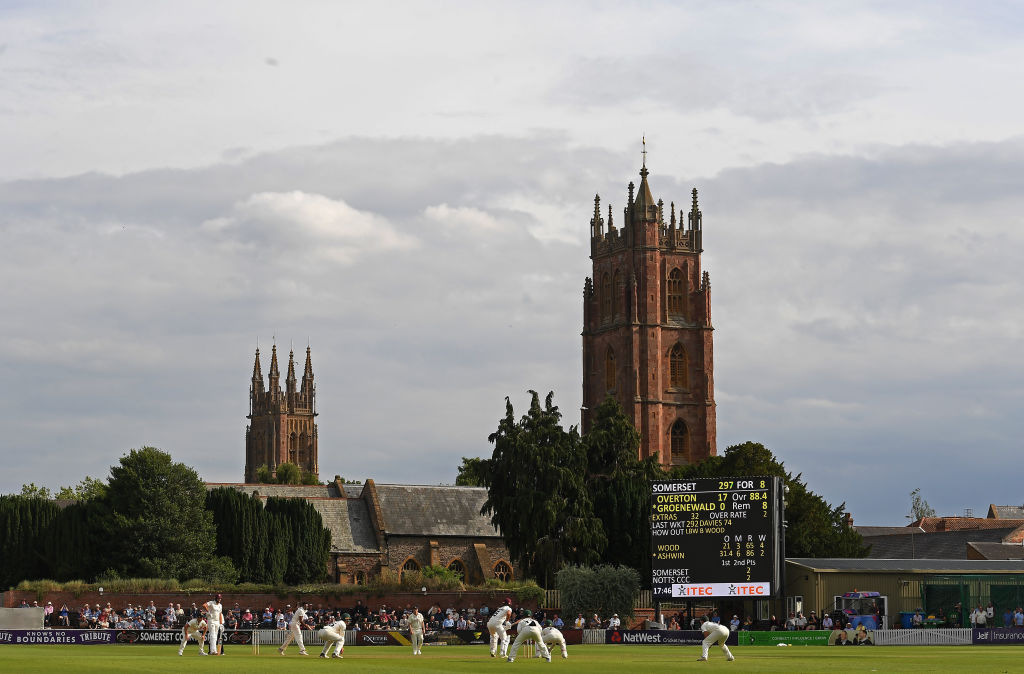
x=618 y=483
x=604 y=590
x=288 y=473
x=308 y=542
x=471 y=472
x=264 y=476
x=161 y=526
x=535 y=491
x=32 y=491
x=23 y=524
x=89 y=488
x=919 y=507
x=814 y=527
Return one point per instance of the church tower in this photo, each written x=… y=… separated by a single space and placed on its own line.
x=282 y=425
x=647 y=326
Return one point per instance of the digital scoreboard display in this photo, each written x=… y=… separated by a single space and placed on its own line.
x=715 y=537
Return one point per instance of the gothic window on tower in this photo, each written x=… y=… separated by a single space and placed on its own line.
x=680 y=444
x=609 y=370
x=619 y=295
x=677 y=367
x=606 y=298
x=674 y=292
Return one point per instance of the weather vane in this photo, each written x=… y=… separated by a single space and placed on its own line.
x=643 y=139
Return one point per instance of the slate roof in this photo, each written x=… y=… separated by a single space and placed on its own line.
x=348 y=519
x=887 y=531
x=1006 y=512
x=999 y=550
x=283 y=490
x=932 y=524
x=938 y=566
x=423 y=510
x=934 y=545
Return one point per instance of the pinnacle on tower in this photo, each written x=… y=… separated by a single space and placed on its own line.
x=257 y=374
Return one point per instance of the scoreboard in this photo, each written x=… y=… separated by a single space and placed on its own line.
x=715 y=537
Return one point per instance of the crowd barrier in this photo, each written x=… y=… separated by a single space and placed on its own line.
x=274 y=638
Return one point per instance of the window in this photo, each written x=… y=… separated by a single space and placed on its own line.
x=680 y=444
x=674 y=292
x=677 y=367
x=410 y=566
x=609 y=370
x=360 y=578
x=502 y=571
x=618 y=296
x=457 y=566
x=606 y=298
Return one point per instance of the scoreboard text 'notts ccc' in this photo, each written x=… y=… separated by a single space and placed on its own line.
x=715 y=537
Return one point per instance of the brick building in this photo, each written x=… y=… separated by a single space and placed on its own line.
x=647 y=327
x=400 y=527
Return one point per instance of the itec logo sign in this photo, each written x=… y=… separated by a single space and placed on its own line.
x=722 y=590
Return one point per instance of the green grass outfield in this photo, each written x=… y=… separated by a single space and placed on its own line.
x=588 y=659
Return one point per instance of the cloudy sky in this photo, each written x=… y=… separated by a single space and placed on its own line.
x=407 y=189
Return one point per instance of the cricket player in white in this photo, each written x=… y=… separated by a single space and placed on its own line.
x=195 y=628
x=529 y=630
x=416 y=630
x=214 y=623
x=714 y=634
x=496 y=626
x=552 y=635
x=295 y=631
x=334 y=635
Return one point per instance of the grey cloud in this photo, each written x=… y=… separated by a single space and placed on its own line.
x=865 y=309
x=686 y=82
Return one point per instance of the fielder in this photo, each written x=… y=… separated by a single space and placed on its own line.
x=714 y=634
x=496 y=626
x=529 y=630
x=195 y=628
x=552 y=635
x=416 y=630
x=334 y=635
x=214 y=623
x=295 y=631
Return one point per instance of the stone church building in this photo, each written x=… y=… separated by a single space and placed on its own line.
x=373 y=526
x=647 y=326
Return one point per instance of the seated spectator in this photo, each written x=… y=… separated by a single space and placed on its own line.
x=460 y=624
x=448 y=623
x=791 y=622
x=614 y=622
x=24 y=604
x=282 y=624
x=48 y=614
x=917 y=619
x=179 y=615
x=192 y=612
x=595 y=622
x=64 y=617
x=734 y=624
x=484 y=612
x=801 y=621
x=170 y=617
x=267 y=622
x=247 y=619
x=747 y=624
x=580 y=622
